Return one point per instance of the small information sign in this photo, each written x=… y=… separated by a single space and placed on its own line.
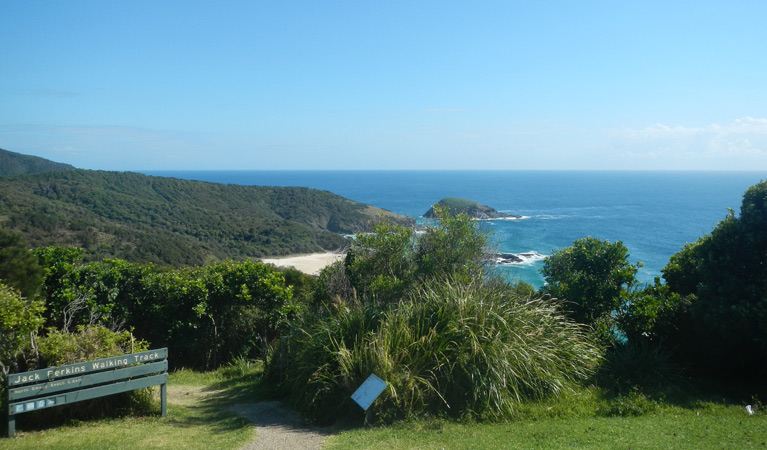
x=369 y=391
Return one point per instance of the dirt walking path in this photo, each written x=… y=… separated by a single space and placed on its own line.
x=279 y=428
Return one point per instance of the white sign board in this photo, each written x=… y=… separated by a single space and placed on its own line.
x=369 y=391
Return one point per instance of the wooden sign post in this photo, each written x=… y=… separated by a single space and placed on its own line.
x=56 y=386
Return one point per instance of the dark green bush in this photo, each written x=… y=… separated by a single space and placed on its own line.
x=721 y=331
x=19 y=321
x=639 y=363
x=18 y=266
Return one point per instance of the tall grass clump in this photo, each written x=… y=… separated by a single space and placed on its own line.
x=307 y=361
x=450 y=347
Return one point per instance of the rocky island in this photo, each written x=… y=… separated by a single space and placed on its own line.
x=470 y=208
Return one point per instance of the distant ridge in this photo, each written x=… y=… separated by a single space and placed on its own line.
x=12 y=163
x=176 y=222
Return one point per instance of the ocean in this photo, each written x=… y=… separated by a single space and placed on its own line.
x=654 y=214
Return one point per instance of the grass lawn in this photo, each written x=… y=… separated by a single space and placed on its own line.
x=725 y=427
x=198 y=419
x=588 y=418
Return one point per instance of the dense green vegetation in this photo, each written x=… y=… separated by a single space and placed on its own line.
x=177 y=222
x=12 y=163
x=19 y=318
x=206 y=316
x=709 y=315
x=722 y=327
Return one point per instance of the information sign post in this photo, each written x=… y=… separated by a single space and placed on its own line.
x=56 y=386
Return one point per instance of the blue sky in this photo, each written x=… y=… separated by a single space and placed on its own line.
x=149 y=85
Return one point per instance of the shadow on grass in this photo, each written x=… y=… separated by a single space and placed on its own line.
x=127 y=404
x=210 y=404
x=635 y=379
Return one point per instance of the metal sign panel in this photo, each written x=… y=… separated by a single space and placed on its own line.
x=71 y=370
x=369 y=391
x=84 y=381
x=86 y=394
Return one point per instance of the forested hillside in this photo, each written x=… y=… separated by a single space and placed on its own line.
x=176 y=222
x=12 y=163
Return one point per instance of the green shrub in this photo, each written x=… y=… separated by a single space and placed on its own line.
x=592 y=277
x=19 y=320
x=380 y=265
x=455 y=247
x=449 y=348
x=388 y=264
x=88 y=342
x=301 y=283
x=210 y=315
x=205 y=315
x=61 y=280
x=652 y=314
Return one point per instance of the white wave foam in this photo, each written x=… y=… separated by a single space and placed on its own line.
x=503 y=218
x=518 y=259
x=550 y=216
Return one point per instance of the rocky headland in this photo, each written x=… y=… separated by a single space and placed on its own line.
x=469 y=207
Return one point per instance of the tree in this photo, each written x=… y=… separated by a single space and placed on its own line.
x=246 y=305
x=380 y=264
x=61 y=279
x=725 y=276
x=454 y=247
x=18 y=266
x=592 y=276
x=653 y=314
x=384 y=266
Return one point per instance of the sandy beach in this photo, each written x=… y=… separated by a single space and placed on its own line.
x=311 y=264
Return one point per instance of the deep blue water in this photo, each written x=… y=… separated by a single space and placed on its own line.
x=653 y=213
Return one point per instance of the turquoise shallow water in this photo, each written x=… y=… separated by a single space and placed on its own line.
x=653 y=213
